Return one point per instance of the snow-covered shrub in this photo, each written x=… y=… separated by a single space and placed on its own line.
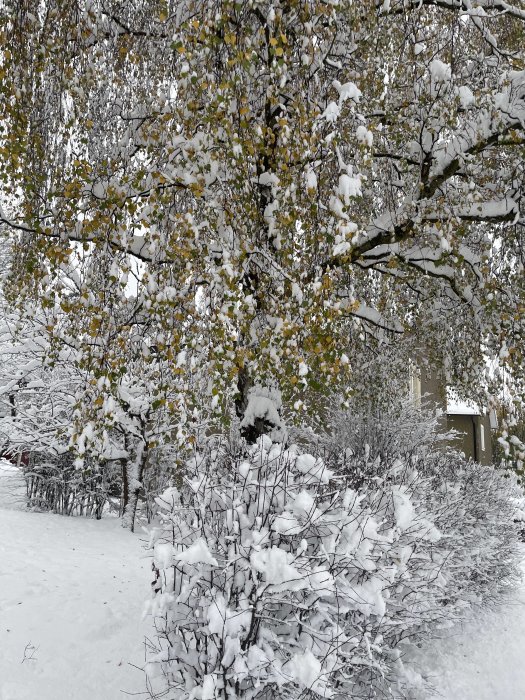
x=364 y=444
x=53 y=483
x=469 y=504
x=275 y=578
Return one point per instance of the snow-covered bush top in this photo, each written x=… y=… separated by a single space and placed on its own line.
x=275 y=579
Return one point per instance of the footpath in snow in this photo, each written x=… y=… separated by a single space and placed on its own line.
x=72 y=591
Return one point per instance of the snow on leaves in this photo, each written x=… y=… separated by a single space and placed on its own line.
x=258 y=161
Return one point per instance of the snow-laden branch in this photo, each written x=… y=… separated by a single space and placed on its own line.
x=447 y=159
x=495 y=211
x=482 y=8
x=371 y=316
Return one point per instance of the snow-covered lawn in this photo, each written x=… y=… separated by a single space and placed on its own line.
x=72 y=592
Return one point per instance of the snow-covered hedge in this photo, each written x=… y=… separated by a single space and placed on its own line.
x=274 y=578
x=54 y=483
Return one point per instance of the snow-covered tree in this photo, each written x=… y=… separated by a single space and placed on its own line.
x=296 y=182
x=53 y=398
x=36 y=402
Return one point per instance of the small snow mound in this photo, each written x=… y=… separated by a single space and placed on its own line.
x=264 y=406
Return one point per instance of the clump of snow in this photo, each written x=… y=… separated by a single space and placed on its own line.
x=306 y=671
x=163 y=556
x=364 y=136
x=313 y=469
x=303 y=369
x=331 y=113
x=340 y=248
x=440 y=72
x=311 y=179
x=277 y=571
x=403 y=508
x=197 y=553
x=268 y=179
x=264 y=405
x=466 y=97
x=168 y=498
x=349 y=186
x=297 y=292
x=347 y=91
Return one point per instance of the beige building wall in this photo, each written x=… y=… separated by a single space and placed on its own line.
x=474 y=435
x=433 y=389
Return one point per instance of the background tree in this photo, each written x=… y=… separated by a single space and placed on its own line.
x=53 y=398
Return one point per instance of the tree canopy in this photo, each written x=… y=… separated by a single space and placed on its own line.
x=268 y=200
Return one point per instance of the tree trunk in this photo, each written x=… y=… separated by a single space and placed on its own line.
x=134 y=473
x=124 y=496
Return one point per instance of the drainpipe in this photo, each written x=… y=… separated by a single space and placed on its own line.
x=475 y=435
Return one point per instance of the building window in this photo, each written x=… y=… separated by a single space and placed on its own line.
x=482 y=437
x=415 y=387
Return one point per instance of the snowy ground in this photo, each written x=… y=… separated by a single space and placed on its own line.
x=71 y=596
x=484 y=658
x=72 y=592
